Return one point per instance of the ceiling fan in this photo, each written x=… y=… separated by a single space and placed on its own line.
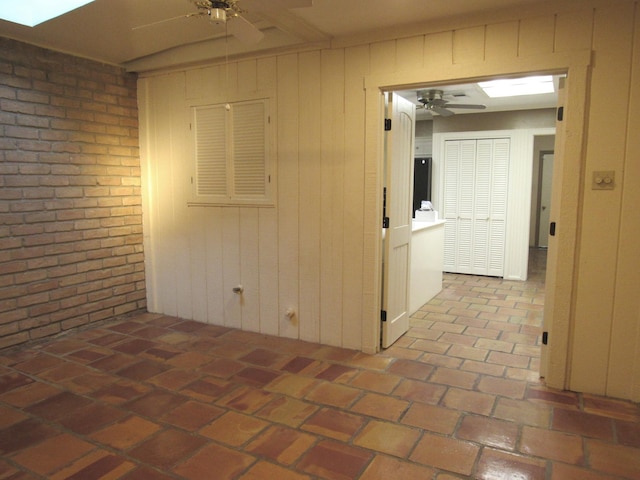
x=230 y=14
x=433 y=101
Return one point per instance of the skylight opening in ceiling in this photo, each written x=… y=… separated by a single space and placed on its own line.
x=35 y=12
x=514 y=87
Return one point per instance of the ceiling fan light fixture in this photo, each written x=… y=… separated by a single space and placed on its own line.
x=218 y=16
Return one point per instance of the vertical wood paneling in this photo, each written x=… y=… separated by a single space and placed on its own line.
x=438 y=49
x=247 y=76
x=574 y=31
x=410 y=53
x=468 y=45
x=288 y=193
x=197 y=262
x=213 y=260
x=536 y=36
x=180 y=187
x=383 y=57
x=249 y=271
x=199 y=81
x=601 y=219
x=310 y=93
x=332 y=196
x=164 y=105
x=268 y=252
x=231 y=267
x=267 y=75
x=624 y=369
x=356 y=67
x=501 y=41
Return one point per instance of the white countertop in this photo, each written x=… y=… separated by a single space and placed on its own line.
x=417 y=226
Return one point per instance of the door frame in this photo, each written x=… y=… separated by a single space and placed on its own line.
x=560 y=301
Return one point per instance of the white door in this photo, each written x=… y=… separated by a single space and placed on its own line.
x=546 y=180
x=399 y=202
x=476 y=182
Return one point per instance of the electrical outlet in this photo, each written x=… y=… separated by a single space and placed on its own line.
x=603 y=180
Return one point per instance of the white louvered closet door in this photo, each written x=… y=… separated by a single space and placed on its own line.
x=475 y=205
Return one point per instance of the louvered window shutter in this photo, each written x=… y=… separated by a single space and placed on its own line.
x=249 y=151
x=232 y=154
x=211 y=151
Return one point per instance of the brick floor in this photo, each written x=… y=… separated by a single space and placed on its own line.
x=458 y=396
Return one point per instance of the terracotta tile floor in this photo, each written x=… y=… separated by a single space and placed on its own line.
x=155 y=397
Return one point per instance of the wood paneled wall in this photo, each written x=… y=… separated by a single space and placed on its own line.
x=317 y=250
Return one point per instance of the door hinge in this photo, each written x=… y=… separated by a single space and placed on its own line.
x=383 y=315
x=385 y=222
x=560 y=113
x=545 y=338
x=387 y=124
x=552 y=229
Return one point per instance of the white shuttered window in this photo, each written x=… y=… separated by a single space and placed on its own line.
x=232 y=154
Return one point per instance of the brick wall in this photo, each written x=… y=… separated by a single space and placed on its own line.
x=70 y=205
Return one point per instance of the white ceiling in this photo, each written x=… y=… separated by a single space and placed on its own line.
x=105 y=29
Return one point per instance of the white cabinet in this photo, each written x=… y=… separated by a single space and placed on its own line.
x=476 y=182
x=427 y=240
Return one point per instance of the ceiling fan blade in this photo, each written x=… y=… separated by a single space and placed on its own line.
x=464 y=105
x=244 y=30
x=160 y=22
x=443 y=112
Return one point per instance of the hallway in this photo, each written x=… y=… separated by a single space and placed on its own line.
x=155 y=397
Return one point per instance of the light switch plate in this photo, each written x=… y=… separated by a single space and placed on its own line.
x=603 y=180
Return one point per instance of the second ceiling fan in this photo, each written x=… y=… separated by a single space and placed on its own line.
x=433 y=101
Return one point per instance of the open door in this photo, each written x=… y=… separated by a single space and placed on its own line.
x=398 y=204
x=546 y=179
x=552 y=252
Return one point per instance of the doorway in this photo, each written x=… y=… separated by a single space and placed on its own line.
x=560 y=279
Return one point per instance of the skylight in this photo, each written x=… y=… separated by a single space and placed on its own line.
x=514 y=87
x=35 y=12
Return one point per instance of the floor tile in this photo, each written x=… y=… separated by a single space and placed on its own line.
x=564 y=447
x=389 y=438
x=226 y=462
x=263 y=470
x=488 y=431
x=53 y=453
x=614 y=459
x=469 y=401
x=384 y=468
x=334 y=461
x=582 y=423
x=446 y=453
x=288 y=411
x=380 y=406
x=432 y=418
x=24 y=434
x=282 y=444
x=126 y=432
x=334 y=394
x=334 y=423
x=234 y=428
x=167 y=448
x=375 y=381
x=91 y=417
x=495 y=464
x=98 y=464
